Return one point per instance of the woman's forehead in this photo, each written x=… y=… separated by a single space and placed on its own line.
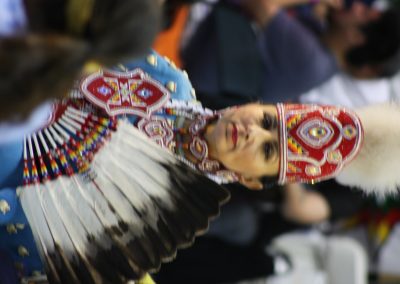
x=271 y=109
x=262 y=107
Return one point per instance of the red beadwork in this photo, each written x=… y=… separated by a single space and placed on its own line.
x=316 y=141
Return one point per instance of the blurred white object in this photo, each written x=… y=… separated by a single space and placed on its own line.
x=388 y=262
x=317 y=259
x=15 y=130
x=346 y=91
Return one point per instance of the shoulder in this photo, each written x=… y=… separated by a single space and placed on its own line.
x=166 y=73
x=11 y=131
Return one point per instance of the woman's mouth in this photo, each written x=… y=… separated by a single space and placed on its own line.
x=234 y=134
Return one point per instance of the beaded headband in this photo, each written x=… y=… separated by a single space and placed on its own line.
x=316 y=142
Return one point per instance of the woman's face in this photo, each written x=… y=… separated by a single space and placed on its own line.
x=245 y=140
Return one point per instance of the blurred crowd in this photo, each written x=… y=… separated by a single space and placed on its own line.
x=326 y=52
x=340 y=52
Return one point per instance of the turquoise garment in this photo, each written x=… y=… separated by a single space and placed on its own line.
x=16 y=238
x=15 y=235
x=165 y=72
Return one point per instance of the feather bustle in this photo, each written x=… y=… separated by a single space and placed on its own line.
x=134 y=209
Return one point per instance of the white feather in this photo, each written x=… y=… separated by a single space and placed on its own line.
x=376 y=168
x=76 y=213
x=104 y=165
x=152 y=171
x=131 y=165
x=85 y=193
x=100 y=205
x=138 y=140
x=61 y=225
x=51 y=218
x=127 y=182
x=121 y=205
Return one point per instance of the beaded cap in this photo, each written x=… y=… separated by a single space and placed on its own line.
x=316 y=142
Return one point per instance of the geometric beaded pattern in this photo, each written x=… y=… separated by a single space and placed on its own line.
x=316 y=141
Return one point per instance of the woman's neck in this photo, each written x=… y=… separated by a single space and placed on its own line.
x=190 y=142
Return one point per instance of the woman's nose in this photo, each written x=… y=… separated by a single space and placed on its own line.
x=256 y=131
x=243 y=131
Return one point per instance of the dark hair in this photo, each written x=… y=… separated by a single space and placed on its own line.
x=382 y=46
x=171 y=7
x=269 y=181
x=44 y=62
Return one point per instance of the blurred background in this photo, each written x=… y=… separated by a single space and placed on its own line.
x=327 y=52
x=338 y=52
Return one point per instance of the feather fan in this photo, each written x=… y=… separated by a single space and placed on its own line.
x=105 y=203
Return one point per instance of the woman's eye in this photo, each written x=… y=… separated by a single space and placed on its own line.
x=267 y=121
x=268 y=150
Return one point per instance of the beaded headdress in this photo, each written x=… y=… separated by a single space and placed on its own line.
x=316 y=142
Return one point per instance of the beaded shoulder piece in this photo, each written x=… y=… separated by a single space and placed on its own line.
x=66 y=145
x=148 y=103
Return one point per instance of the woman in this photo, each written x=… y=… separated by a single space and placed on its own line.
x=254 y=144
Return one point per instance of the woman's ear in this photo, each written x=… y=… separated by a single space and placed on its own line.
x=251 y=183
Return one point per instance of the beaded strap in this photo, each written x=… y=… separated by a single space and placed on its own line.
x=66 y=145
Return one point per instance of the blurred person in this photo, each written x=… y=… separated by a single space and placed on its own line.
x=301 y=205
x=228 y=252
x=346 y=91
x=255 y=50
x=375 y=226
x=44 y=44
x=167 y=42
x=236 y=247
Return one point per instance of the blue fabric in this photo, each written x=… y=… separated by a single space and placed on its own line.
x=19 y=234
x=12 y=153
x=349 y=3
x=164 y=71
x=295 y=59
x=237 y=224
x=7 y=273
